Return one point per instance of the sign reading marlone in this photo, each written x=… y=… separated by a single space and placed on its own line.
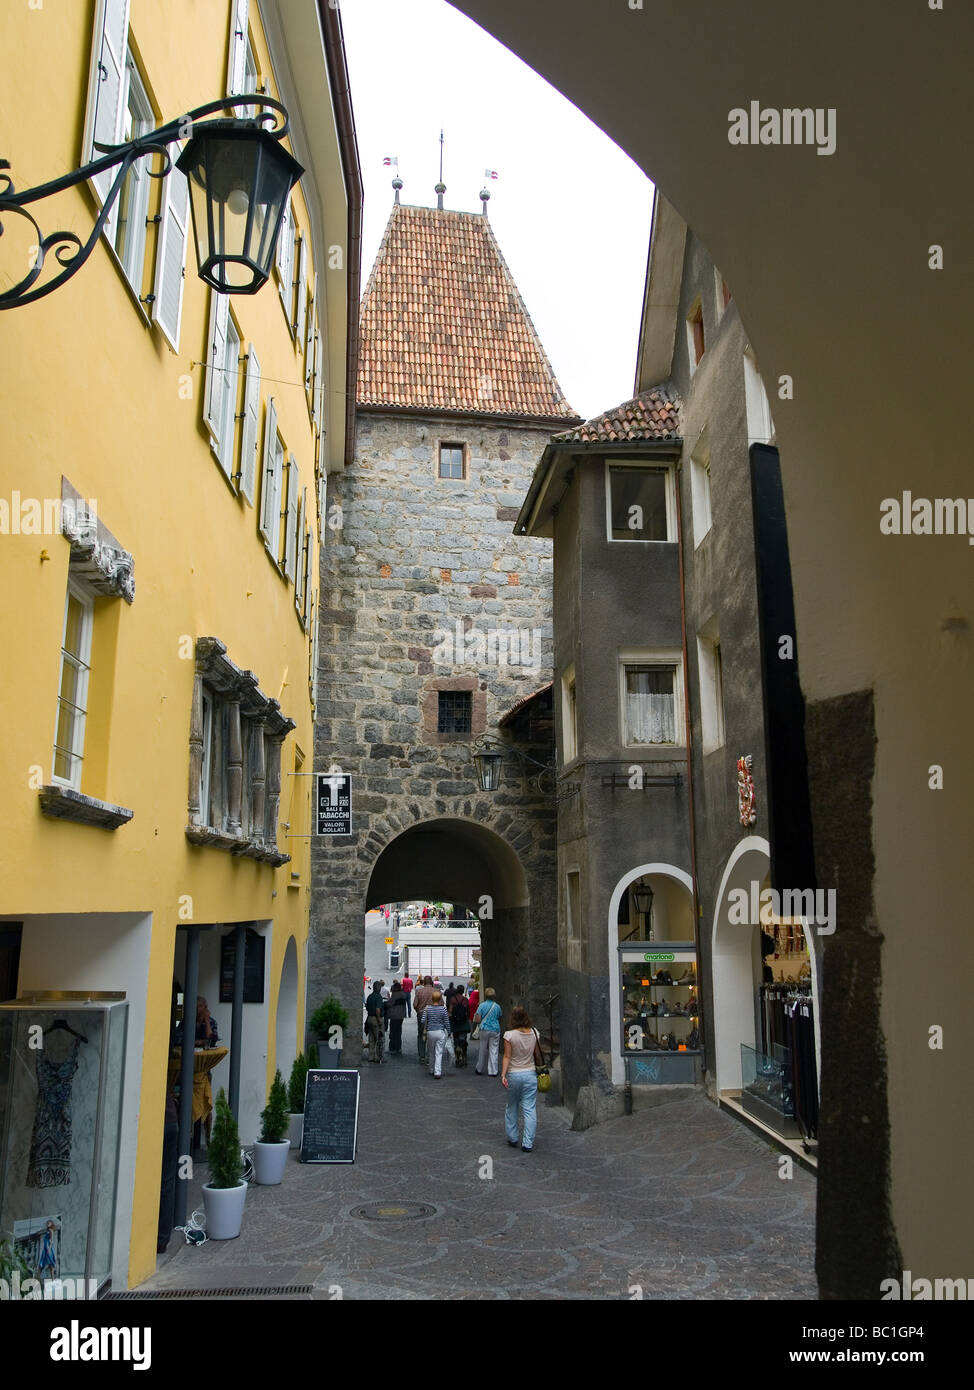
x=333 y=803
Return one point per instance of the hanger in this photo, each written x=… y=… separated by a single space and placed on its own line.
x=60 y=1023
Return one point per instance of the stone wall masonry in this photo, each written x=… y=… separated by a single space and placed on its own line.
x=424 y=588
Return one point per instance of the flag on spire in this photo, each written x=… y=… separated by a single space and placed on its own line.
x=490 y=173
x=391 y=161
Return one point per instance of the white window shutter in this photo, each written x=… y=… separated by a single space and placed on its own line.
x=310 y=341
x=216 y=383
x=291 y=519
x=308 y=558
x=251 y=421
x=106 y=84
x=301 y=565
x=167 y=307
x=300 y=313
x=237 y=66
x=282 y=254
x=268 y=487
x=314 y=651
x=318 y=385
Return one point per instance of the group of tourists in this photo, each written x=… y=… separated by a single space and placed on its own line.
x=446 y=1020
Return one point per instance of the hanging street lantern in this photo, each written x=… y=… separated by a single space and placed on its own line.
x=488 y=763
x=239 y=177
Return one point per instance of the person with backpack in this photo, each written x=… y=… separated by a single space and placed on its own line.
x=460 y=1026
x=488 y=1017
x=375 y=1022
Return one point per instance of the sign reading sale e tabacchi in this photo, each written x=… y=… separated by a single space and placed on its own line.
x=333 y=803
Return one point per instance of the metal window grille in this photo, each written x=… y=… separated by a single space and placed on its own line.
x=455 y=710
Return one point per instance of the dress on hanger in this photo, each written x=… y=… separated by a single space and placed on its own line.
x=50 y=1146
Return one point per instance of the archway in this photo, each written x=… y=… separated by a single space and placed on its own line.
x=286 y=1039
x=644 y=871
x=736 y=963
x=465 y=861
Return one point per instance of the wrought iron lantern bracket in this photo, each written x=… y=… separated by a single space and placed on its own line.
x=69 y=250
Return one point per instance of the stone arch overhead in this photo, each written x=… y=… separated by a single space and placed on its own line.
x=464 y=855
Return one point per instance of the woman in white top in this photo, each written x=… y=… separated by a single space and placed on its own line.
x=519 y=1078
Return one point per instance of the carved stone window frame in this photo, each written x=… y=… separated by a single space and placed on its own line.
x=246 y=792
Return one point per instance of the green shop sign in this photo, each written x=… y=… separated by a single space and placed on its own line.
x=659 y=955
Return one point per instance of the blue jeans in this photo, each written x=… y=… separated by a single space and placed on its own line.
x=522 y=1096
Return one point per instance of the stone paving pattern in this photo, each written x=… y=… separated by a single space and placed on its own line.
x=679 y=1198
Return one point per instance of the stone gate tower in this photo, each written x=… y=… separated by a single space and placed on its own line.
x=435 y=621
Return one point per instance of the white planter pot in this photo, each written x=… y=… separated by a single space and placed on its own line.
x=270 y=1161
x=297 y=1130
x=224 y=1207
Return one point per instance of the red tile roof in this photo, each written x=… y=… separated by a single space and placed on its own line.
x=654 y=414
x=522 y=704
x=443 y=327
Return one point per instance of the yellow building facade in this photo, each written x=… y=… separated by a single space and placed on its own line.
x=158 y=652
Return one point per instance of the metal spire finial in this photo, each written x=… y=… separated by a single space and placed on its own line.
x=440 y=188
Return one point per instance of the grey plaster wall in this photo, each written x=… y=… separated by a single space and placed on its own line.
x=414 y=561
x=609 y=596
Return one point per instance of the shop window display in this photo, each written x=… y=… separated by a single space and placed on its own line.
x=61 y=1073
x=660 y=1003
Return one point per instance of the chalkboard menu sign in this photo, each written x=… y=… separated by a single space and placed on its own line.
x=330 y=1117
x=253 y=992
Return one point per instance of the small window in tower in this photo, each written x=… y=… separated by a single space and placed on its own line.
x=451 y=461
x=454 y=715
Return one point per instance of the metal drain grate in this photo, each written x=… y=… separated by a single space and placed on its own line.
x=393 y=1211
x=260 y=1291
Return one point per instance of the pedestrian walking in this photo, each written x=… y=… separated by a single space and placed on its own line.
x=407 y=989
x=422 y=995
x=488 y=1016
x=426 y=913
x=374 y=1022
x=522 y=1055
x=460 y=1026
x=395 y=1013
x=437 y=1027
x=473 y=1000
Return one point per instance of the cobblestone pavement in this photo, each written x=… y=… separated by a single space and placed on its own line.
x=679 y=1199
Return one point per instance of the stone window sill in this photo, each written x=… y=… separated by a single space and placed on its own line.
x=63 y=803
x=246 y=847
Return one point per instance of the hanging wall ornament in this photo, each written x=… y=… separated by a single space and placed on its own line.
x=745 y=790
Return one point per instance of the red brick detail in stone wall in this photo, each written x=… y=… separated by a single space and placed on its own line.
x=482 y=591
x=446 y=575
x=385 y=571
x=513 y=579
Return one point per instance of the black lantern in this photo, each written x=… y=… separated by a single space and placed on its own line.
x=643 y=898
x=239 y=178
x=488 y=769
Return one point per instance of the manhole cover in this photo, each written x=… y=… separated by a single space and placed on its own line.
x=393 y=1211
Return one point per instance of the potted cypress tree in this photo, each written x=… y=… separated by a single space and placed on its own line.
x=328 y=1024
x=225 y=1193
x=273 y=1146
x=295 y=1095
x=313 y=1063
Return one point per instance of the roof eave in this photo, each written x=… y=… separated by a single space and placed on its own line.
x=551 y=476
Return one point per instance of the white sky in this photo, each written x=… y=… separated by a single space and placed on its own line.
x=570 y=210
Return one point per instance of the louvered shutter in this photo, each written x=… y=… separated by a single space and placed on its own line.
x=105 y=85
x=251 y=421
x=301 y=289
x=237 y=67
x=318 y=386
x=301 y=566
x=310 y=342
x=167 y=307
x=269 y=482
x=291 y=520
x=283 y=253
x=314 y=651
x=214 y=395
x=322 y=505
x=308 y=558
